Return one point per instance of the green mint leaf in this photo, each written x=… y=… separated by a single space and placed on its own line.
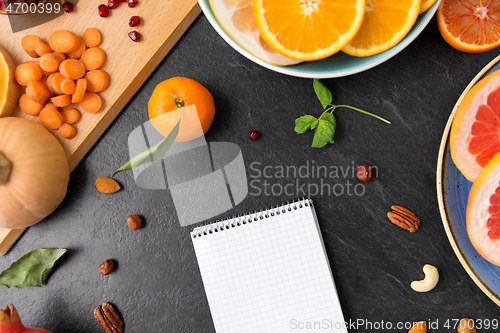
x=32 y=269
x=314 y=124
x=153 y=154
x=330 y=118
x=323 y=134
x=324 y=95
x=305 y=123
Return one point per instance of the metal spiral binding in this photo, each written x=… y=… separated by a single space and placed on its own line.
x=240 y=220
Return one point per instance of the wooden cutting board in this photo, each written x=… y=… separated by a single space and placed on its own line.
x=128 y=63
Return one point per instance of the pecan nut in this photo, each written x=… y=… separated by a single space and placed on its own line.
x=108 y=318
x=404 y=218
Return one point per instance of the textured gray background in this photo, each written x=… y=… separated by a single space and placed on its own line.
x=157 y=286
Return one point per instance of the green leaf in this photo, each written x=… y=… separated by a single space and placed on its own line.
x=305 y=123
x=314 y=124
x=330 y=118
x=324 y=95
x=153 y=154
x=32 y=269
x=323 y=134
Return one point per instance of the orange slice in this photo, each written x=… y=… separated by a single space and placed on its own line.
x=483 y=212
x=386 y=22
x=475 y=131
x=308 y=29
x=425 y=4
x=470 y=26
x=9 y=89
x=236 y=18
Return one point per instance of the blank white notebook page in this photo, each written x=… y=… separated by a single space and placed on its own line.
x=268 y=275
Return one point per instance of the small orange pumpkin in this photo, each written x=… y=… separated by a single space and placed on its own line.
x=34 y=173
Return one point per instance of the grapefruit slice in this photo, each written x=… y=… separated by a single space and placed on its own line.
x=9 y=89
x=475 y=131
x=483 y=212
x=425 y=4
x=308 y=29
x=236 y=18
x=470 y=26
x=386 y=22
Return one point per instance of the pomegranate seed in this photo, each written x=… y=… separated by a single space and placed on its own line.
x=133 y=3
x=68 y=7
x=254 y=135
x=103 y=10
x=135 y=36
x=113 y=3
x=365 y=173
x=134 y=21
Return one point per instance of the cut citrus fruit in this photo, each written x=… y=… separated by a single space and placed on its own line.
x=236 y=18
x=308 y=29
x=483 y=212
x=9 y=89
x=475 y=131
x=470 y=26
x=386 y=22
x=425 y=4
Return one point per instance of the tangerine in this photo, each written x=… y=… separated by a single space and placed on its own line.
x=193 y=99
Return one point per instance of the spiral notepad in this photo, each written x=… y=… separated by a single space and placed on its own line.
x=268 y=272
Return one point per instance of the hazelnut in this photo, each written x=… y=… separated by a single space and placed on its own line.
x=466 y=326
x=365 y=173
x=106 y=267
x=134 y=222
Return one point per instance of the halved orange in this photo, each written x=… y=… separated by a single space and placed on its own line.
x=236 y=18
x=386 y=22
x=475 y=131
x=483 y=212
x=470 y=26
x=425 y=4
x=308 y=29
x=9 y=88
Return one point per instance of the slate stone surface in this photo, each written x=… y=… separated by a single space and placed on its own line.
x=157 y=286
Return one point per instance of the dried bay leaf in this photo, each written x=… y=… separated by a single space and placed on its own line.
x=32 y=269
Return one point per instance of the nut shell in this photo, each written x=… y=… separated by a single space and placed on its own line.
x=108 y=318
x=134 y=222
x=106 y=185
x=107 y=267
x=404 y=218
x=365 y=173
x=419 y=327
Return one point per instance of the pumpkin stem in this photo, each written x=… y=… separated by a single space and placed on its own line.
x=5 y=167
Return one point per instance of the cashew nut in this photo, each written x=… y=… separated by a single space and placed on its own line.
x=430 y=280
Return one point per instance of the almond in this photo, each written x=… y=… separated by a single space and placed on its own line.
x=419 y=327
x=106 y=185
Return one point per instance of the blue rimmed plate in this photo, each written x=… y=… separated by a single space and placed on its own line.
x=453 y=191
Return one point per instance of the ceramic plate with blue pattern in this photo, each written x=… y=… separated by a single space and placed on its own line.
x=453 y=192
